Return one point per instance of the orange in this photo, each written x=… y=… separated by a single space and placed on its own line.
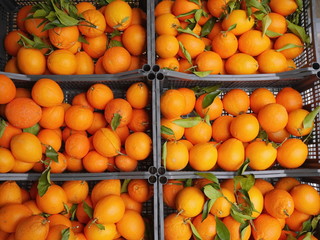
x=266 y=227
x=118 y=15
x=12 y=66
x=106 y=142
x=140 y=121
x=190 y=98
x=177 y=156
x=217 y=7
x=278 y=23
x=163 y=7
x=78 y=117
x=259 y=98
x=98 y=95
x=105 y=188
x=256 y=199
x=32 y=227
x=52 y=117
x=98 y=68
x=292 y=153
x=239 y=17
x=172 y=103
x=289 y=38
x=23 y=92
x=225 y=44
x=120 y=107
x=73 y=164
x=134 y=39
x=234 y=228
x=177 y=227
x=26 y=147
x=295 y=123
x=56 y=219
x=116 y=59
x=94 y=162
x=209 y=61
x=81 y=215
x=131 y=226
x=22 y=167
x=8 y=132
x=221 y=128
x=138 y=145
x=207 y=227
x=68 y=132
x=171 y=63
x=273 y=117
x=253 y=42
x=177 y=130
x=263 y=185
x=291 y=65
x=138 y=95
x=236 y=101
x=6 y=160
x=204 y=151
x=81 y=99
x=62 y=62
x=279 y=203
x=290 y=98
x=96 y=46
x=170 y=191
x=200 y=133
x=184 y=6
x=167 y=24
x=11 y=44
x=94 y=24
x=306 y=199
x=55 y=232
x=7 y=89
x=32 y=27
x=49 y=137
x=283 y=7
x=167 y=45
x=262 y=155
x=122 y=132
x=222 y=206
x=31 y=61
x=214 y=110
x=83 y=6
x=10 y=193
x=231 y=154
x=286 y=183
x=296 y=220
x=190 y=201
x=217 y=28
x=245 y=127
x=98 y=122
x=131 y=203
x=241 y=63
x=85 y=63
x=22 y=14
x=76 y=191
x=271 y=61
x=47 y=93
x=192 y=44
x=92 y=232
x=138 y=16
x=138 y=190
x=109 y=209
x=125 y=163
x=63 y=37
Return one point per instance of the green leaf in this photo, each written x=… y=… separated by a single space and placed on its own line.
x=63 y=17
x=202 y=74
x=82 y=39
x=65 y=234
x=308 y=120
x=185 y=53
x=124 y=185
x=266 y=21
x=243 y=229
x=187 y=13
x=207 y=119
x=198 y=14
x=33 y=130
x=51 y=16
x=87 y=209
x=73 y=210
x=307 y=236
x=26 y=42
x=206 y=208
x=243 y=167
x=188 y=122
x=209 y=98
x=233 y=26
x=300 y=4
x=166 y=130
x=194 y=231
x=247 y=182
x=3 y=126
x=188 y=31
x=211 y=88
x=299 y=31
x=222 y=230
x=239 y=216
x=273 y=34
x=195 y=1
x=100 y=226
x=211 y=192
x=115 y=43
x=44 y=182
x=40 y=13
x=188 y=182
x=263 y=135
x=314 y=222
x=115 y=121
x=209 y=176
x=288 y=46
x=255 y=4
x=290 y=237
x=164 y=154
x=115 y=33
x=207 y=27
x=51 y=153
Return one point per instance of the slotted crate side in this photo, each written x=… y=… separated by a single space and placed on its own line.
x=8 y=16
x=308 y=87
x=304 y=62
x=165 y=210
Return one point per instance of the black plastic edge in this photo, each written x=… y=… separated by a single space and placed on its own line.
x=156 y=68
x=318 y=75
x=151 y=76
x=152 y=179
x=316 y=66
x=161 y=170
x=152 y=170
x=158 y=120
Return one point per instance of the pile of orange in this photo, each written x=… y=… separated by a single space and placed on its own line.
x=110 y=40
x=72 y=212
x=264 y=127
x=205 y=209
x=224 y=37
x=94 y=133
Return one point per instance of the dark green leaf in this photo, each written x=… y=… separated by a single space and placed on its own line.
x=299 y=31
x=209 y=176
x=51 y=153
x=308 y=120
x=188 y=182
x=124 y=185
x=256 y=4
x=3 y=126
x=263 y=135
x=115 y=43
x=247 y=182
x=222 y=230
x=208 y=48
x=164 y=154
x=51 y=16
x=87 y=209
x=258 y=15
x=188 y=31
x=206 y=208
x=33 y=130
x=198 y=14
x=211 y=88
x=39 y=44
x=207 y=27
x=288 y=46
x=273 y=34
x=82 y=39
x=243 y=229
x=65 y=234
x=300 y=4
x=239 y=216
x=233 y=26
x=211 y=192
x=44 y=182
x=202 y=74
x=195 y=1
x=100 y=226
x=266 y=21
x=26 y=42
x=243 y=167
x=188 y=122
x=290 y=237
x=166 y=130
x=73 y=210
x=194 y=231
x=209 y=98
x=187 y=13
x=63 y=17
x=185 y=53
x=115 y=33
x=115 y=121
x=40 y=13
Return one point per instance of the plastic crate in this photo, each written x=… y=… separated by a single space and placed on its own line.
x=8 y=15
x=309 y=87
x=149 y=208
x=73 y=85
x=304 y=62
x=165 y=210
